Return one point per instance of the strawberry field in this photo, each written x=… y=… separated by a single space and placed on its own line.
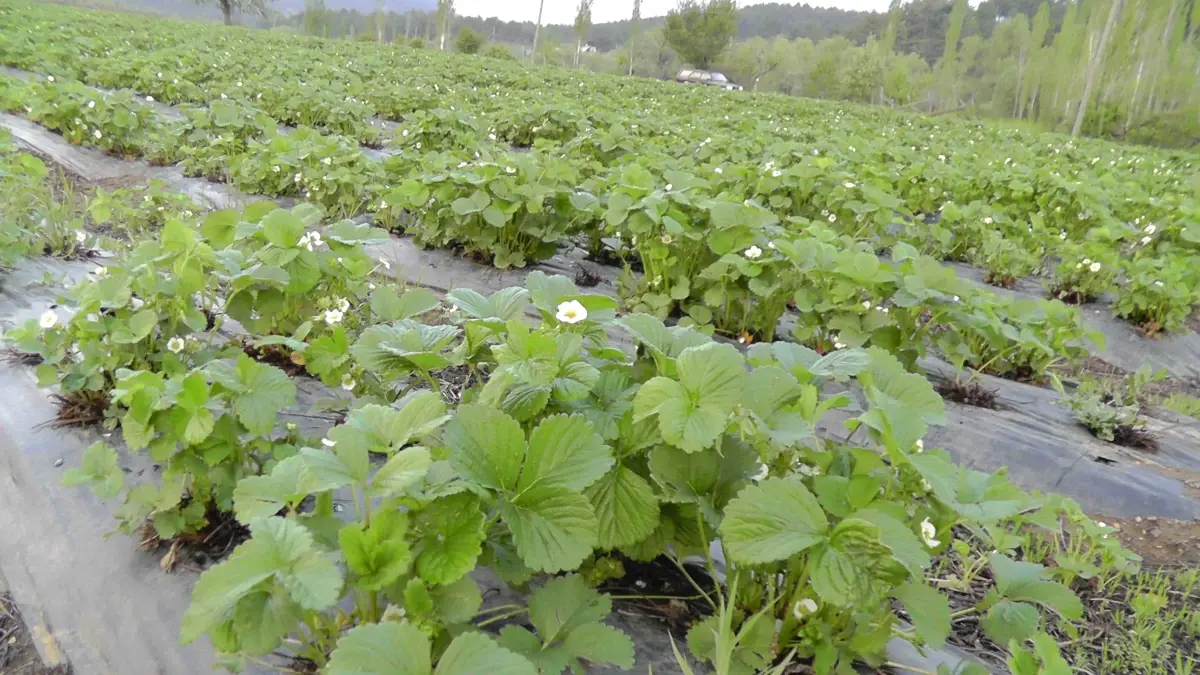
x=383 y=360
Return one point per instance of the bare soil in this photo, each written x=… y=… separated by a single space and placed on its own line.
x=969 y=393
x=18 y=654
x=1160 y=541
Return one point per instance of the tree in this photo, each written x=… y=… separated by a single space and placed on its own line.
x=380 y=20
x=537 y=28
x=314 y=17
x=583 y=21
x=445 y=10
x=700 y=32
x=948 y=66
x=1095 y=61
x=633 y=27
x=227 y=6
x=469 y=41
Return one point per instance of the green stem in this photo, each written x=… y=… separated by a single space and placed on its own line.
x=688 y=576
x=501 y=617
x=497 y=608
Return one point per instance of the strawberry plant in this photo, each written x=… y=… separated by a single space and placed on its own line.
x=511 y=210
x=324 y=170
x=117 y=122
x=1156 y=295
x=1084 y=274
x=134 y=212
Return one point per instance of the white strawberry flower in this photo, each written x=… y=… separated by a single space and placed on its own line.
x=93 y=318
x=100 y=272
x=223 y=96
x=571 y=311
x=771 y=245
x=327 y=161
x=1095 y=267
x=297 y=178
x=91 y=105
x=866 y=304
x=97 y=134
x=987 y=220
x=48 y=319
x=382 y=205
x=928 y=532
x=160 y=76
x=328 y=442
x=833 y=217
x=776 y=173
x=718 y=170
x=920 y=446
x=50 y=78
x=332 y=317
x=175 y=345
x=753 y=253
x=803 y=608
x=666 y=239
x=1146 y=240
x=669 y=187
x=848 y=186
x=1150 y=229
x=763 y=471
x=343 y=304
x=509 y=170
x=348 y=382
x=150 y=99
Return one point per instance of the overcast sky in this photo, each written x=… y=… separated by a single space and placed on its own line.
x=563 y=11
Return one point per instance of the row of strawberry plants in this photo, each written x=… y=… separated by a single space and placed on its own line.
x=702 y=255
x=564 y=452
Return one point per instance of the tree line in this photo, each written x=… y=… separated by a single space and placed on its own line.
x=1114 y=68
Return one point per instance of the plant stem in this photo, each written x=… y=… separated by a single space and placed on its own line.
x=501 y=617
x=695 y=585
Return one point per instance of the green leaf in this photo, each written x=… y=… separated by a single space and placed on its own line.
x=844 y=568
x=564 y=604
x=487 y=446
x=1017 y=580
x=772 y=521
x=282 y=229
x=449 y=538
x=100 y=470
x=261 y=496
x=388 y=429
x=929 y=609
x=1007 y=620
x=457 y=602
x=280 y=549
x=475 y=653
x=694 y=411
x=387 y=648
x=564 y=452
x=377 y=554
x=598 y=643
x=553 y=528
x=263 y=619
x=265 y=390
x=906 y=548
x=403 y=347
x=403 y=471
x=626 y=508
x=388 y=305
